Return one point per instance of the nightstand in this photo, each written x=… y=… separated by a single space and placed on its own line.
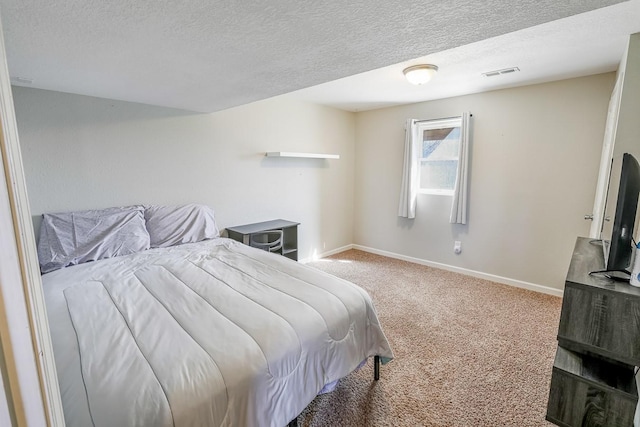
x=248 y=232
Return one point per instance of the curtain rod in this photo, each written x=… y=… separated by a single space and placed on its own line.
x=441 y=118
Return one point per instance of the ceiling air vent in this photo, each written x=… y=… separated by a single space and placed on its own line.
x=500 y=72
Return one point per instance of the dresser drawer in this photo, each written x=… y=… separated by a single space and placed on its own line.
x=587 y=391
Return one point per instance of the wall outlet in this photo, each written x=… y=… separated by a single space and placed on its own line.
x=457 y=247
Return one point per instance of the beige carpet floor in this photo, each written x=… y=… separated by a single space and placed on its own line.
x=468 y=352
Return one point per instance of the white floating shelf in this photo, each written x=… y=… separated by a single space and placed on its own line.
x=301 y=155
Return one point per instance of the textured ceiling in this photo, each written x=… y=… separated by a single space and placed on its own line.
x=580 y=45
x=205 y=55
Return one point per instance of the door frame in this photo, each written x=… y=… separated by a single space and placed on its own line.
x=29 y=375
x=608 y=144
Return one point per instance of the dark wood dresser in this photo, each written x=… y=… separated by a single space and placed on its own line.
x=593 y=381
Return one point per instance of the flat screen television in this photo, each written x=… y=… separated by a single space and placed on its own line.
x=618 y=247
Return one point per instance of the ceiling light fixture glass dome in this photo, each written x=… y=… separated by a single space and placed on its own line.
x=420 y=74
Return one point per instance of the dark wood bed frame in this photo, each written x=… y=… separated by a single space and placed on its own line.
x=376 y=377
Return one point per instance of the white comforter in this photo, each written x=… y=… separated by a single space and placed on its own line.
x=206 y=334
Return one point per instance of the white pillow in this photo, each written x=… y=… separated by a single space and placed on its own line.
x=71 y=238
x=175 y=225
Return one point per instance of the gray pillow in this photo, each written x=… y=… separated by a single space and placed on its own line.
x=71 y=238
x=175 y=225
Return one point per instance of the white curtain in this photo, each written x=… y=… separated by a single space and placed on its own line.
x=460 y=192
x=409 y=189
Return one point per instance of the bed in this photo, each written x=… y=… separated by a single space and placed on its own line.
x=202 y=332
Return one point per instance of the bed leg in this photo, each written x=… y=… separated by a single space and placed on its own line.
x=293 y=423
x=376 y=368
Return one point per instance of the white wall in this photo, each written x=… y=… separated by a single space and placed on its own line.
x=534 y=164
x=82 y=152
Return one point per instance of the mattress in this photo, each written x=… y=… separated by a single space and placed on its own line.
x=213 y=333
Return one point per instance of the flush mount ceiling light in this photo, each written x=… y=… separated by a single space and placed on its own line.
x=420 y=74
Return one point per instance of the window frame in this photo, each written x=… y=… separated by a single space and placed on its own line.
x=424 y=125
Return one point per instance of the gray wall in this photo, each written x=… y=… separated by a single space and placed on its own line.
x=534 y=164
x=82 y=152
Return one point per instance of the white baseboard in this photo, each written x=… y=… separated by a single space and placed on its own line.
x=465 y=271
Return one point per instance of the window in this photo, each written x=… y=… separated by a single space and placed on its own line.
x=438 y=155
